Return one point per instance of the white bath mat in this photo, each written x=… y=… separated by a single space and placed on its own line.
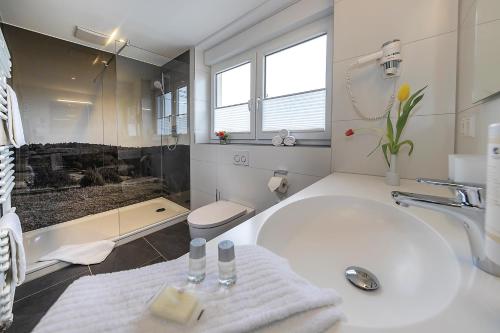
x=81 y=254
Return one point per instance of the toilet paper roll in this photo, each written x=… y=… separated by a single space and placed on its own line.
x=278 y=184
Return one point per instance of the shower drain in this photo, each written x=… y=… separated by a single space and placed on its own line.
x=362 y=278
x=159 y=210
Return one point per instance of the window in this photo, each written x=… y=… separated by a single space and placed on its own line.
x=165 y=104
x=295 y=87
x=164 y=107
x=283 y=84
x=182 y=110
x=232 y=96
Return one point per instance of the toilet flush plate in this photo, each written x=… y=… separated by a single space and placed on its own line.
x=241 y=158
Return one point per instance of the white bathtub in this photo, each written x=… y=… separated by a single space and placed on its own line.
x=121 y=225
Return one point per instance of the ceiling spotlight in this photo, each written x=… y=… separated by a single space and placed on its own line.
x=112 y=36
x=73 y=101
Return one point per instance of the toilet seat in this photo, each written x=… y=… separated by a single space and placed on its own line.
x=215 y=214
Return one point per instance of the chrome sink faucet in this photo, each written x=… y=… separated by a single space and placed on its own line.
x=468 y=206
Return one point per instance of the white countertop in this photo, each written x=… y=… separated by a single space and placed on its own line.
x=476 y=307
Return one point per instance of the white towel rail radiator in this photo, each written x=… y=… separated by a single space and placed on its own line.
x=6 y=185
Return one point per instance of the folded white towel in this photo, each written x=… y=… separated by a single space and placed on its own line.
x=82 y=254
x=267 y=294
x=14 y=123
x=11 y=222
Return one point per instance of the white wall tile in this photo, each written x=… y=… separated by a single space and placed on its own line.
x=484 y=115
x=362 y=26
x=429 y=62
x=200 y=199
x=432 y=135
x=248 y=186
x=487 y=10
x=203 y=176
x=465 y=76
x=313 y=161
x=204 y=152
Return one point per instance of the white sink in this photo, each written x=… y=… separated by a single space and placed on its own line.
x=321 y=236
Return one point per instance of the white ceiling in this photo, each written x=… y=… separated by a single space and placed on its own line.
x=165 y=27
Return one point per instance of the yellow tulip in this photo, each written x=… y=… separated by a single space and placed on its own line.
x=404 y=92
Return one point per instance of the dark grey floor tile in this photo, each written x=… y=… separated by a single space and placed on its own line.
x=171 y=242
x=46 y=281
x=127 y=256
x=29 y=311
x=156 y=260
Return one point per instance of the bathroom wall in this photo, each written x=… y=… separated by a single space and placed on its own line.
x=484 y=112
x=428 y=31
x=212 y=167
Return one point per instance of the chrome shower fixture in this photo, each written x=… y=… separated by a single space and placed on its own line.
x=158 y=85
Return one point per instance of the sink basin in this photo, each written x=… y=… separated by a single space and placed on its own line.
x=418 y=272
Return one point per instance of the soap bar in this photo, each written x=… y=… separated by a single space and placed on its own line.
x=174 y=304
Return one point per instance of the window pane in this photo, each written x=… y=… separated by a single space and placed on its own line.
x=182 y=110
x=233 y=86
x=299 y=112
x=232 y=119
x=296 y=69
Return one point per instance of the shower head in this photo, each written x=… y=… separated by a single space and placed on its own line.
x=159 y=85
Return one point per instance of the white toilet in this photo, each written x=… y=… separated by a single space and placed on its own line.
x=216 y=218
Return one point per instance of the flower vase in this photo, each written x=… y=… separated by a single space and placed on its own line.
x=223 y=141
x=392 y=176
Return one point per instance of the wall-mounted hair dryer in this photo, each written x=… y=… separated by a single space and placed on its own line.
x=388 y=57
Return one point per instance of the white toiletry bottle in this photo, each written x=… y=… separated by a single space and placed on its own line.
x=493 y=195
x=227 y=263
x=197 y=260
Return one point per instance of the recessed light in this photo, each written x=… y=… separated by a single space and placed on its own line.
x=73 y=78
x=74 y=101
x=112 y=36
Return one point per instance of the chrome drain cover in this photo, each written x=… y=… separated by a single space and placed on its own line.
x=362 y=278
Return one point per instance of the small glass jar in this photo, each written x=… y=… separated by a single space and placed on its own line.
x=227 y=264
x=197 y=260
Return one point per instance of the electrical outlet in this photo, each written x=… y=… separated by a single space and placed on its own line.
x=468 y=126
x=241 y=158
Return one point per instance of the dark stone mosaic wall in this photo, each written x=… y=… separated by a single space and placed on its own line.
x=61 y=182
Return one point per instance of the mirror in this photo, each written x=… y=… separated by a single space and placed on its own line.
x=486 y=49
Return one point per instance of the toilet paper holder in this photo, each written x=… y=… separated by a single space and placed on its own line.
x=280 y=173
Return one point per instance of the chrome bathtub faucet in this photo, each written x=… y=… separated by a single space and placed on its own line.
x=468 y=206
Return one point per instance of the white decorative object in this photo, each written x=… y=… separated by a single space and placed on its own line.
x=289 y=141
x=493 y=195
x=392 y=176
x=284 y=133
x=277 y=141
x=467 y=168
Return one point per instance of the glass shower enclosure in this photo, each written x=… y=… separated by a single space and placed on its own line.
x=107 y=154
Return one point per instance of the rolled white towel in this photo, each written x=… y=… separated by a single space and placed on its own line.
x=277 y=141
x=289 y=141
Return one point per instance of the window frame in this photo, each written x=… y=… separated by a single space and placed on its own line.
x=247 y=57
x=256 y=56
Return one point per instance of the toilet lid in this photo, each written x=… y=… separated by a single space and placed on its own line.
x=215 y=214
